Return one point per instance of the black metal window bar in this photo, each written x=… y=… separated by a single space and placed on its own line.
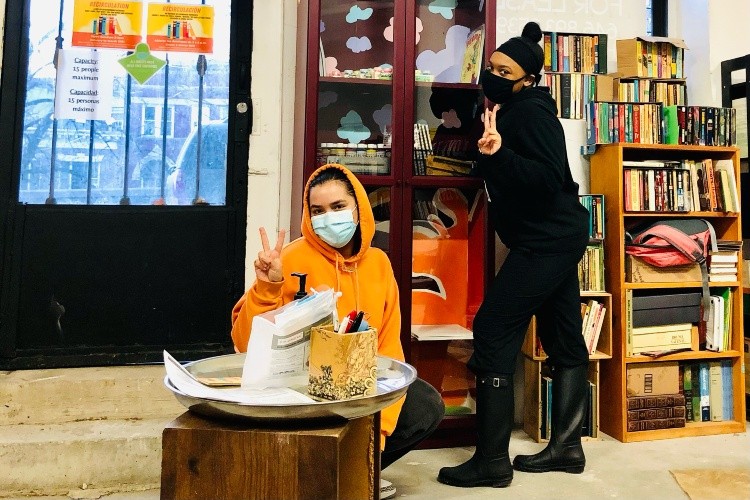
x=201 y=67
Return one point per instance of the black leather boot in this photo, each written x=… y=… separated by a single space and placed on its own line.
x=564 y=452
x=490 y=465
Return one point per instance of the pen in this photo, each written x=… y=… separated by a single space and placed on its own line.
x=345 y=322
x=356 y=323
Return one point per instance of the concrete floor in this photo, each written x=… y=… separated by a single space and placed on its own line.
x=614 y=470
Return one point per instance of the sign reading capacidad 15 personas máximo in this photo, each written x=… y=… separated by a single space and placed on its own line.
x=83 y=89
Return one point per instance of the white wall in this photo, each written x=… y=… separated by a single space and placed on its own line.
x=724 y=25
x=271 y=143
x=616 y=18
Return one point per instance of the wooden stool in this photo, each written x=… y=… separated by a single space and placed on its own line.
x=212 y=459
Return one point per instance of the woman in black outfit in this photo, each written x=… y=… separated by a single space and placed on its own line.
x=535 y=210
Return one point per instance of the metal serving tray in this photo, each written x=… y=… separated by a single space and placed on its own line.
x=394 y=377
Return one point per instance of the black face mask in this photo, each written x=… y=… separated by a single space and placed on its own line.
x=496 y=88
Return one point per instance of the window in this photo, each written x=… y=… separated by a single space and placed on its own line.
x=138 y=155
x=151 y=121
x=656 y=17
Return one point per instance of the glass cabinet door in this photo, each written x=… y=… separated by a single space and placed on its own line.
x=448 y=102
x=449 y=240
x=355 y=85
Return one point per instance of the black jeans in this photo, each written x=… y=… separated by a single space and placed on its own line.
x=422 y=412
x=530 y=283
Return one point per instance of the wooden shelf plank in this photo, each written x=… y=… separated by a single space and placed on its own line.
x=677 y=284
x=685 y=355
x=662 y=215
x=691 y=429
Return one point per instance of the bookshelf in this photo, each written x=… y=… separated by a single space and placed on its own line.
x=607 y=178
x=434 y=228
x=534 y=357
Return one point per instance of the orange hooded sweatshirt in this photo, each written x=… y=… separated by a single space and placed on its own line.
x=366 y=281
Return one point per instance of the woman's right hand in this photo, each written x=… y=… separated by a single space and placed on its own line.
x=268 y=263
x=491 y=141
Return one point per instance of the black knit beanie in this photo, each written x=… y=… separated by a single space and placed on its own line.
x=525 y=49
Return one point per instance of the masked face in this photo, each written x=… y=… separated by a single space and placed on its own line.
x=500 y=79
x=332 y=213
x=335 y=228
x=496 y=88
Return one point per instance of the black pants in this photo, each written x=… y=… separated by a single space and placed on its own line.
x=422 y=412
x=530 y=283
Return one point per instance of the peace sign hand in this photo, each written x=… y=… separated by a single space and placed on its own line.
x=268 y=263
x=491 y=141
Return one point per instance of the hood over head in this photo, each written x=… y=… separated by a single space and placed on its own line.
x=366 y=227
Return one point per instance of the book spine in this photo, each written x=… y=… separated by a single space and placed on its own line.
x=715 y=394
x=661 y=401
x=704 y=384
x=654 y=424
x=727 y=390
x=652 y=413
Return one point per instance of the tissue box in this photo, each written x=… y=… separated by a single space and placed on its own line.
x=342 y=366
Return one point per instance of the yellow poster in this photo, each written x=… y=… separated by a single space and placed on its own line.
x=180 y=28
x=107 y=24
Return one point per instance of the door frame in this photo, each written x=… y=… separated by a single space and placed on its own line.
x=12 y=100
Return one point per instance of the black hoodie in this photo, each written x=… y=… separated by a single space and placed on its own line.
x=533 y=198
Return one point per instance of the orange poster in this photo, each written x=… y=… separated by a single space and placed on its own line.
x=180 y=28
x=106 y=24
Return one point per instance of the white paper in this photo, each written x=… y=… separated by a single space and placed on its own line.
x=83 y=90
x=440 y=332
x=278 y=353
x=186 y=383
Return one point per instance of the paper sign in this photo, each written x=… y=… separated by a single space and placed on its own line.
x=180 y=28
x=107 y=24
x=141 y=65
x=83 y=90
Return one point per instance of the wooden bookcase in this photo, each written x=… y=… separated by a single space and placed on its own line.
x=607 y=178
x=443 y=260
x=534 y=368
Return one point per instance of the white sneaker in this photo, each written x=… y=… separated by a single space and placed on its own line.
x=387 y=490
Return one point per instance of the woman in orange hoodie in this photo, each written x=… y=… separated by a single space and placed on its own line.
x=334 y=251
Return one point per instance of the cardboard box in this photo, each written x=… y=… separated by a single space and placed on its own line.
x=666 y=309
x=638 y=271
x=342 y=366
x=637 y=57
x=653 y=379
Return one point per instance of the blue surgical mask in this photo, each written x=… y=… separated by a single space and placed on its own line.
x=335 y=228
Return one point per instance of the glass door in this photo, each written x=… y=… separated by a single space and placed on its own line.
x=126 y=233
x=448 y=235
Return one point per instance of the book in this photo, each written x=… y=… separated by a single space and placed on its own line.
x=660 y=401
x=704 y=386
x=687 y=390
x=473 y=56
x=727 y=400
x=654 y=424
x=440 y=332
x=715 y=391
x=651 y=413
x=696 y=399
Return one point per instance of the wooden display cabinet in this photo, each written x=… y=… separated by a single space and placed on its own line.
x=376 y=70
x=607 y=178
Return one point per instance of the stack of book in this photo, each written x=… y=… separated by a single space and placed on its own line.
x=722 y=264
x=609 y=122
x=590 y=422
x=700 y=125
x=575 y=52
x=662 y=338
x=593 y=314
x=591 y=268
x=648 y=413
x=653 y=57
x=594 y=203
x=667 y=92
x=574 y=91
x=708 y=391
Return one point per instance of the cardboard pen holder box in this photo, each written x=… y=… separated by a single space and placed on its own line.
x=342 y=366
